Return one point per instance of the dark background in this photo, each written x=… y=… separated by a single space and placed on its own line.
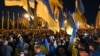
x=91 y=9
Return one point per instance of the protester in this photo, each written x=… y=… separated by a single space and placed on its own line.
x=93 y=50
x=6 y=50
x=45 y=42
x=38 y=51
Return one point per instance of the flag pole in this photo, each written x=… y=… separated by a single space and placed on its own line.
x=2 y=19
x=8 y=22
x=35 y=17
x=17 y=21
x=13 y=21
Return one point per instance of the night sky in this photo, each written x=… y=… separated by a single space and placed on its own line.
x=91 y=9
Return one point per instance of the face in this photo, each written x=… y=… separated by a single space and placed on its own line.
x=5 y=42
x=79 y=46
x=91 y=48
x=37 y=50
x=98 y=40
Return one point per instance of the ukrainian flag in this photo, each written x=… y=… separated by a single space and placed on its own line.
x=44 y=11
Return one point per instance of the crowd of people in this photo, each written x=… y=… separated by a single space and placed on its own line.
x=46 y=43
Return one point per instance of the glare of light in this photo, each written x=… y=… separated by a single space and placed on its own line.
x=85 y=34
x=69 y=30
x=32 y=17
x=56 y=20
x=62 y=29
x=26 y=15
x=65 y=21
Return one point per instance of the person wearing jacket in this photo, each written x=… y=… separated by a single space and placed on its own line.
x=93 y=50
x=6 y=50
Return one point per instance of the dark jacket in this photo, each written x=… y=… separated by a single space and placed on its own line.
x=0 y=47
x=6 y=50
x=95 y=53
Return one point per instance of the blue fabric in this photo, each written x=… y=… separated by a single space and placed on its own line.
x=40 y=54
x=20 y=46
x=61 y=18
x=44 y=42
x=73 y=26
x=46 y=2
x=80 y=6
x=52 y=50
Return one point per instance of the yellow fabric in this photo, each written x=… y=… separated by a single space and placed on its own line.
x=77 y=17
x=43 y=12
x=55 y=3
x=74 y=52
x=17 y=3
x=69 y=28
x=98 y=20
x=72 y=49
x=76 y=5
x=25 y=23
x=25 y=5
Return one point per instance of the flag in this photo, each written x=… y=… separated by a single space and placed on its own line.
x=78 y=14
x=98 y=19
x=26 y=6
x=71 y=26
x=61 y=18
x=44 y=11
x=79 y=6
x=44 y=43
x=18 y=3
x=73 y=32
x=56 y=3
x=80 y=19
x=25 y=23
x=32 y=3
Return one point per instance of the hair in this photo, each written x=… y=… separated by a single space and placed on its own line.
x=93 y=45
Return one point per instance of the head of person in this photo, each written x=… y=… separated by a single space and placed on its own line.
x=1 y=39
x=80 y=46
x=37 y=49
x=5 y=42
x=98 y=39
x=92 y=46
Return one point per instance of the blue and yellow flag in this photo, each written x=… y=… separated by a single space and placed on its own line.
x=98 y=19
x=18 y=3
x=78 y=14
x=27 y=7
x=71 y=26
x=61 y=18
x=73 y=33
x=44 y=11
x=26 y=4
x=79 y=6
